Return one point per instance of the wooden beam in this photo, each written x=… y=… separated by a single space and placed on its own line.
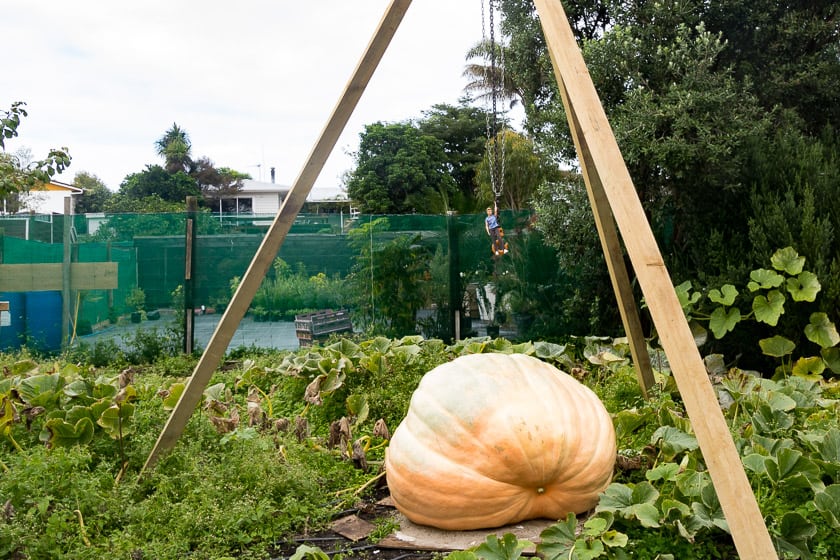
x=41 y=277
x=611 y=245
x=278 y=230
x=722 y=459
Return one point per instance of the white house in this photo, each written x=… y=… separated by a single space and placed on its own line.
x=49 y=198
x=255 y=197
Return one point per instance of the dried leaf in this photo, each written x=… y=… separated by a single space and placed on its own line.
x=256 y=415
x=301 y=428
x=282 y=425
x=313 y=391
x=359 y=458
x=380 y=430
x=335 y=434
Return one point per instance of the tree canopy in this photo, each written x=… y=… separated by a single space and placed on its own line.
x=400 y=170
x=18 y=174
x=725 y=112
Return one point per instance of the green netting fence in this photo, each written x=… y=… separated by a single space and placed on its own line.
x=429 y=274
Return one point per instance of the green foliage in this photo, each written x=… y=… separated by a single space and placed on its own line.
x=292 y=292
x=96 y=194
x=156 y=181
x=282 y=441
x=463 y=132
x=386 y=278
x=523 y=169
x=770 y=290
x=17 y=176
x=400 y=170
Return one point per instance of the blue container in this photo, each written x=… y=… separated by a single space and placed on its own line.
x=43 y=320
x=11 y=337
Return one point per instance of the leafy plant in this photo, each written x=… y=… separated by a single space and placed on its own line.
x=767 y=293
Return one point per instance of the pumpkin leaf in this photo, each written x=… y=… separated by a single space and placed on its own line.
x=557 y=540
x=777 y=346
x=828 y=504
x=723 y=321
x=628 y=421
x=764 y=279
x=809 y=368
x=831 y=356
x=803 y=287
x=306 y=552
x=793 y=469
x=116 y=420
x=686 y=296
x=691 y=483
x=673 y=441
x=795 y=531
x=23 y=367
x=65 y=434
x=769 y=309
x=614 y=539
x=631 y=501
x=41 y=390
x=78 y=388
x=788 y=260
x=174 y=394
x=771 y=421
x=358 y=407
x=665 y=471
x=725 y=296
x=822 y=331
x=587 y=550
x=508 y=548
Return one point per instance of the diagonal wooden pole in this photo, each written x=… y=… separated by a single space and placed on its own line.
x=600 y=151
x=277 y=232
x=611 y=245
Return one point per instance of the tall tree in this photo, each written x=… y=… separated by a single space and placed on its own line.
x=175 y=148
x=215 y=182
x=156 y=181
x=400 y=170
x=96 y=194
x=699 y=95
x=463 y=131
x=522 y=171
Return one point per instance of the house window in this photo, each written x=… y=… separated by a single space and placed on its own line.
x=237 y=205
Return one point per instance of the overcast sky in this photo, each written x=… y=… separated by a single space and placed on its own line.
x=252 y=82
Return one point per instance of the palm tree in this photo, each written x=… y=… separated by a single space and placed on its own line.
x=483 y=75
x=174 y=147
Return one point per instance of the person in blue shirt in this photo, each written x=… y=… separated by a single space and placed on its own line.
x=494 y=230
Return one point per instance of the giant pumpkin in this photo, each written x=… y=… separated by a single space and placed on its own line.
x=493 y=439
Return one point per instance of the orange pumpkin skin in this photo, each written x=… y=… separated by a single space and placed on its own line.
x=493 y=439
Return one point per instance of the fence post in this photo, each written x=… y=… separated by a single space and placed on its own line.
x=455 y=299
x=66 y=292
x=189 y=275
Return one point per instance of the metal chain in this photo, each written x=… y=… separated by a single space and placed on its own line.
x=495 y=151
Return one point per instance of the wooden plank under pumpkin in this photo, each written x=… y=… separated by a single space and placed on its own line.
x=600 y=148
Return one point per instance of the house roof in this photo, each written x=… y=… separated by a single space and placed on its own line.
x=59 y=186
x=255 y=187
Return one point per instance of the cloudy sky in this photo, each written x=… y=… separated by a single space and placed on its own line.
x=253 y=82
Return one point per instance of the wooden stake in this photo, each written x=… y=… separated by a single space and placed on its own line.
x=601 y=153
x=611 y=245
x=276 y=234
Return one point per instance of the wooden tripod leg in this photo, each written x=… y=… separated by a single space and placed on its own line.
x=276 y=234
x=604 y=158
